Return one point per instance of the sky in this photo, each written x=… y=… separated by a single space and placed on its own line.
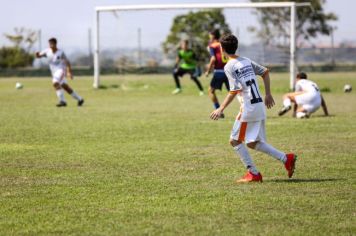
x=70 y=21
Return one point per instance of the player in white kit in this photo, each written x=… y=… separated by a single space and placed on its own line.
x=307 y=98
x=249 y=125
x=60 y=69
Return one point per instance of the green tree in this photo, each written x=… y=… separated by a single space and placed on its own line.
x=12 y=57
x=275 y=22
x=18 y=55
x=194 y=26
x=23 y=38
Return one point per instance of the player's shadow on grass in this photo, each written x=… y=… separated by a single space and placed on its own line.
x=323 y=116
x=112 y=86
x=317 y=180
x=313 y=116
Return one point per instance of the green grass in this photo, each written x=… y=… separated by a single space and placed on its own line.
x=136 y=160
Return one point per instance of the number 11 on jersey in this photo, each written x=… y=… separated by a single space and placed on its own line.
x=256 y=98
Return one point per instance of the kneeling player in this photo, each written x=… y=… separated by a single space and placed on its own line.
x=307 y=98
x=60 y=68
x=249 y=125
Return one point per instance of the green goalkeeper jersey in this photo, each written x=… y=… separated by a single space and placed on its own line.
x=188 y=59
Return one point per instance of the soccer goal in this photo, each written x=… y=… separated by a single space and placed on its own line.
x=151 y=12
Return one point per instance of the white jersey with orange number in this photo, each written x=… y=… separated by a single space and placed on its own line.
x=56 y=60
x=241 y=73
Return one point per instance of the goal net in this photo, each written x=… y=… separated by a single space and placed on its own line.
x=138 y=37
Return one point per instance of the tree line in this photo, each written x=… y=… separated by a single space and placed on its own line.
x=195 y=26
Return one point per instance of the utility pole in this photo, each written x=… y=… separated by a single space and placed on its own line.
x=90 y=50
x=139 y=47
x=39 y=37
x=332 y=46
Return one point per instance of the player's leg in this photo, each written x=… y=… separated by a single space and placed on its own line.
x=70 y=91
x=56 y=81
x=179 y=72
x=226 y=82
x=309 y=105
x=258 y=142
x=60 y=95
x=302 y=112
x=216 y=83
x=288 y=99
x=236 y=140
x=213 y=97
x=196 y=81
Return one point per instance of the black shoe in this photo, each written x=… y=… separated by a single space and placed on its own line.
x=61 y=104
x=80 y=103
x=284 y=110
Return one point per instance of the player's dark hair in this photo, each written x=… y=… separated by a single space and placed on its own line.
x=229 y=43
x=52 y=40
x=302 y=75
x=215 y=33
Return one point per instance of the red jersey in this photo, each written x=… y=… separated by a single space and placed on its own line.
x=216 y=51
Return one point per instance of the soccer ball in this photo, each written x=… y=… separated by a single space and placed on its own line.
x=18 y=85
x=347 y=88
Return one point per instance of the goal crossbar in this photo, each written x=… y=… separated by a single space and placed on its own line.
x=291 y=5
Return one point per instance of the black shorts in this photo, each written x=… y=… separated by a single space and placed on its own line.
x=218 y=80
x=180 y=72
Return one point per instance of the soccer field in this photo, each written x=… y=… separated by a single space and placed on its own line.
x=136 y=160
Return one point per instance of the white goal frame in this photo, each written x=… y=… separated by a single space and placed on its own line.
x=291 y=5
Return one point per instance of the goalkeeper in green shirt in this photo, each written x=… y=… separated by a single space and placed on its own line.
x=186 y=62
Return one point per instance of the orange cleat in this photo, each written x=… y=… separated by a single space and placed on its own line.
x=290 y=164
x=250 y=177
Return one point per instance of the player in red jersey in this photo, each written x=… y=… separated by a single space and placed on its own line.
x=217 y=62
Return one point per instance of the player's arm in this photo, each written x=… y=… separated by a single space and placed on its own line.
x=176 y=65
x=264 y=73
x=323 y=105
x=215 y=115
x=68 y=66
x=40 y=54
x=211 y=62
x=269 y=101
x=210 y=65
x=235 y=88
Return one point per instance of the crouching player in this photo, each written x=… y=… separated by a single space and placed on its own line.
x=306 y=98
x=249 y=126
x=60 y=68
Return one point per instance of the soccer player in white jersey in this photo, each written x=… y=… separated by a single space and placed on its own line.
x=249 y=125
x=60 y=69
x=307 y=98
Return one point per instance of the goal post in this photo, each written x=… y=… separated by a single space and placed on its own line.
x=121 y=8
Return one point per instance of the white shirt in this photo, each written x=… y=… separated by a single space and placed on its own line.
x=307 y=86
x=241 y=73
x=56 y=60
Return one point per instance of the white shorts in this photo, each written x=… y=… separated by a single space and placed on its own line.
x=309 y=102
x=248 y=131
x=59 y=77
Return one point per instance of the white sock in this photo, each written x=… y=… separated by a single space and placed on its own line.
x=60 y=95
x=76 y=96
x=270 y=150
x=287 y=102
x=245 y=157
